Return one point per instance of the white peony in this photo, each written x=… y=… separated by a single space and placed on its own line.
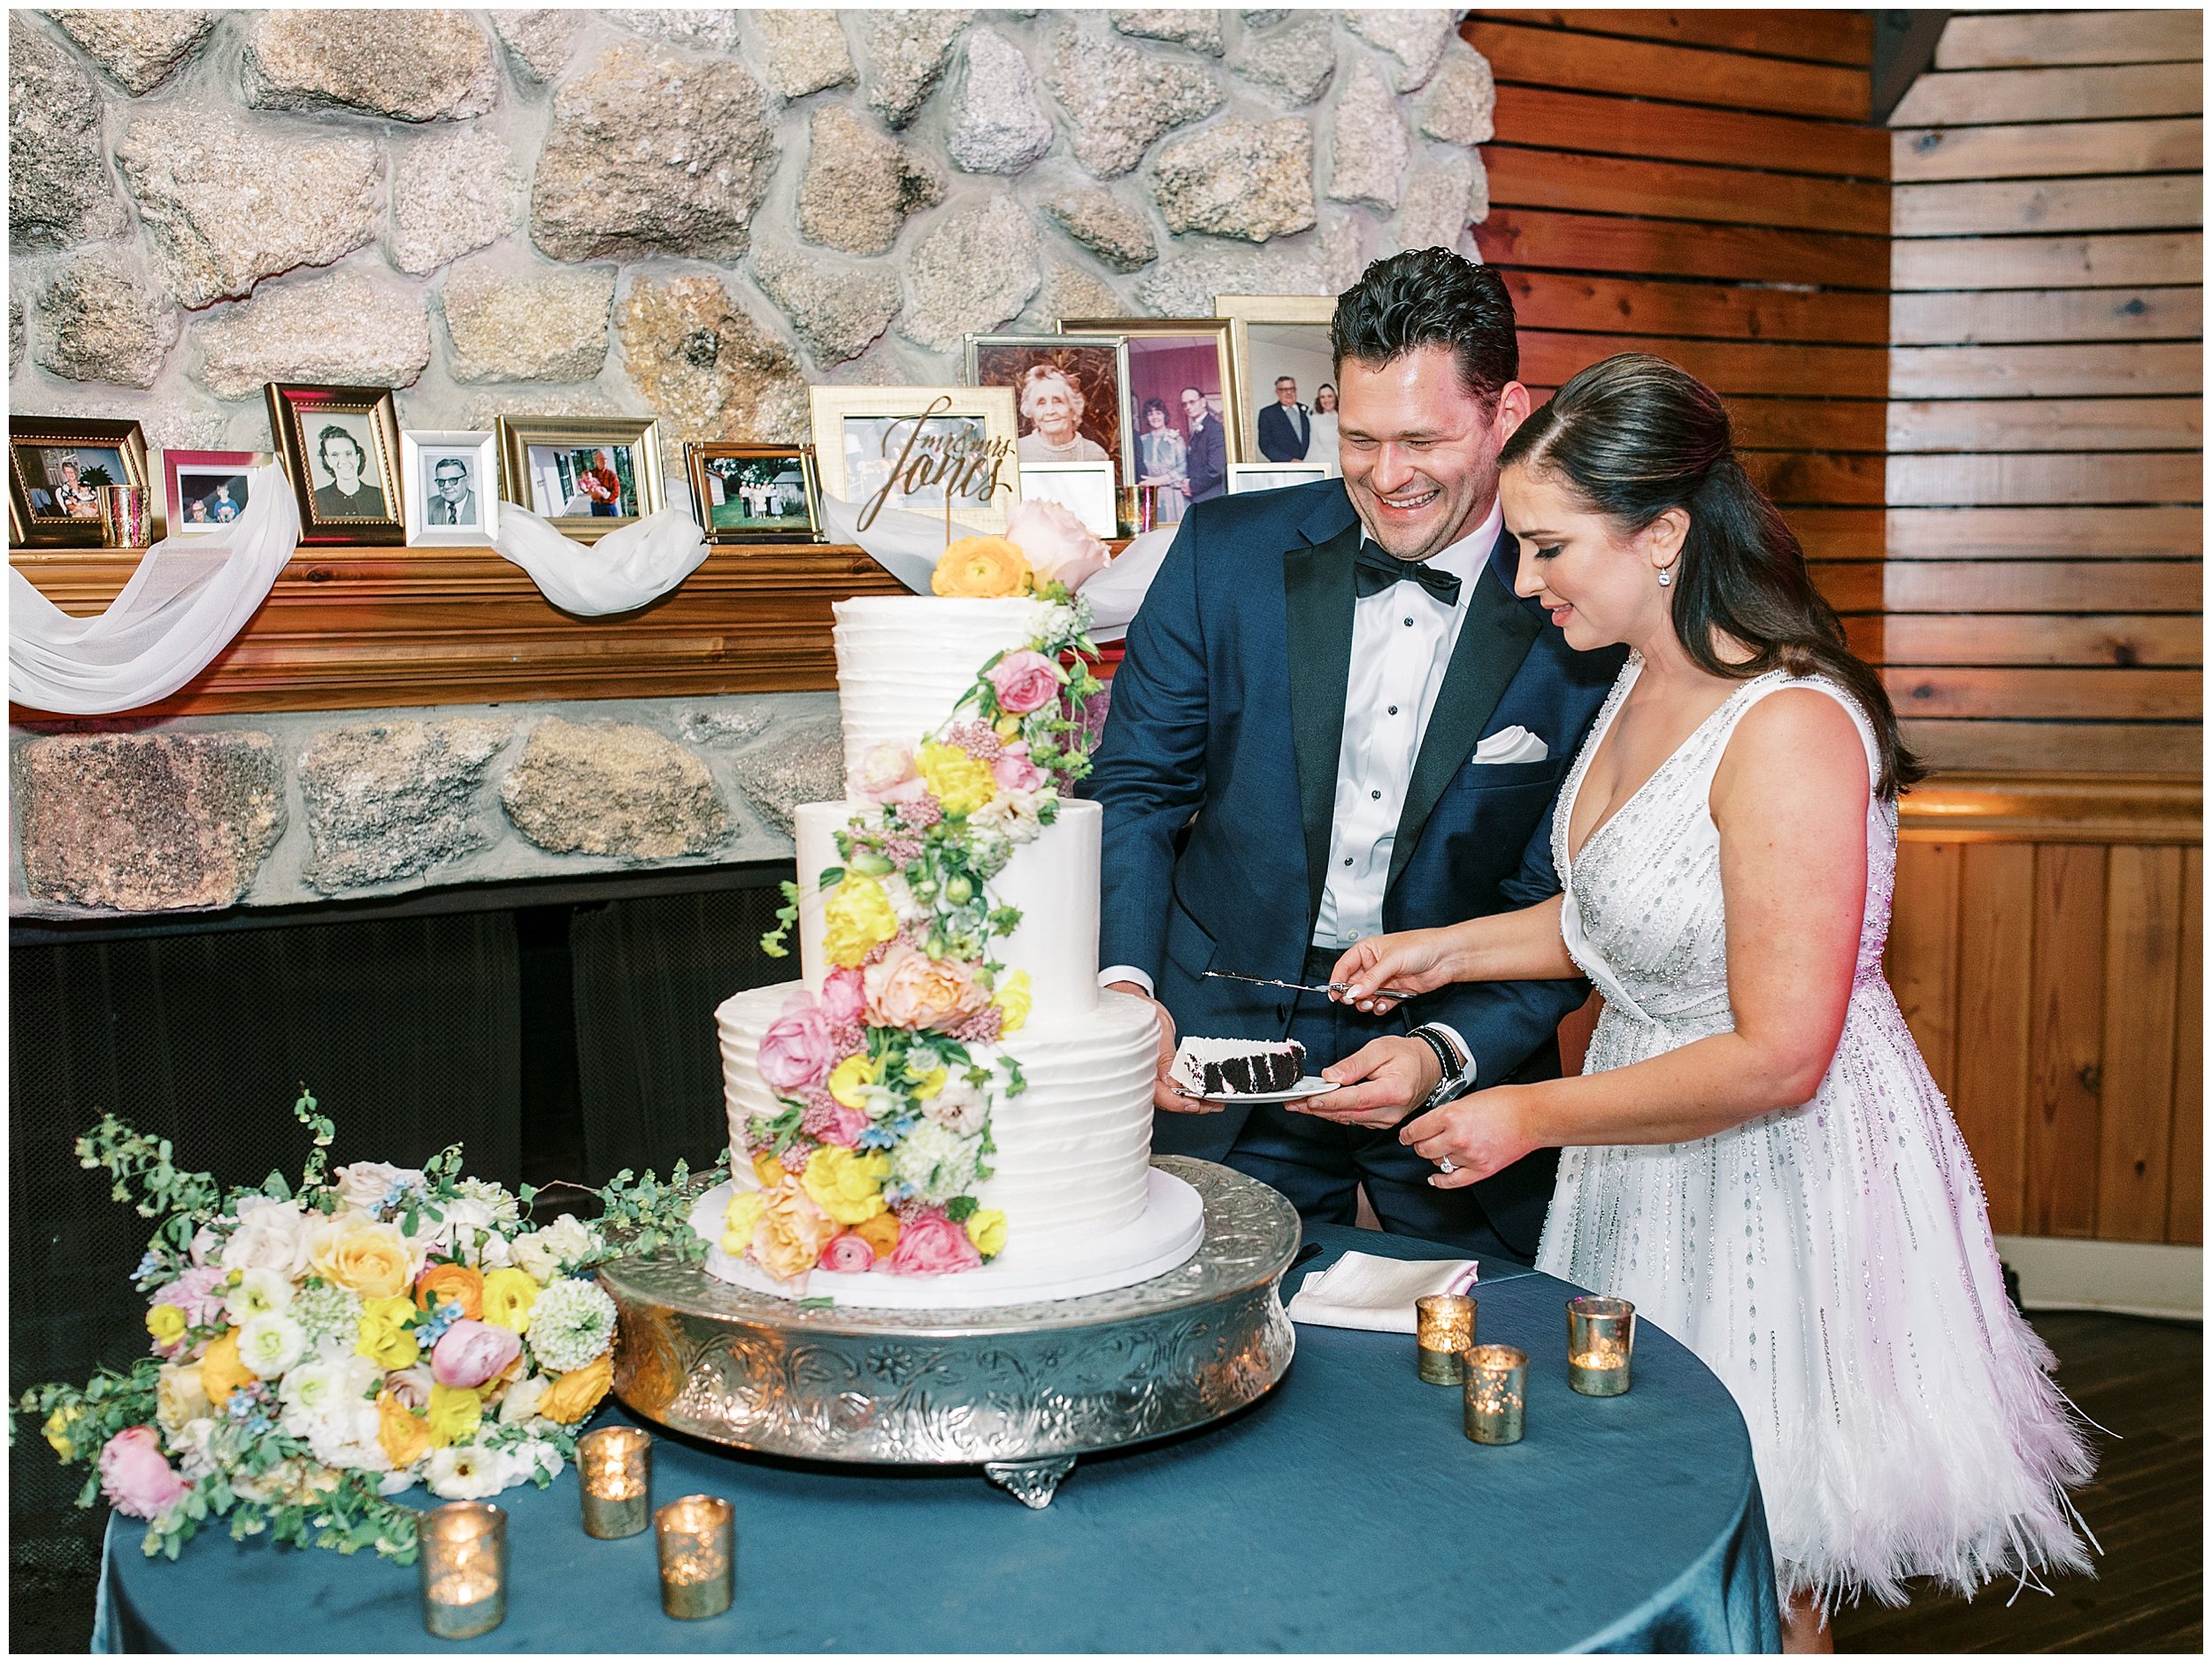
x=504 y=1208
x=257 y=1292
x=270 y=1344
x=465 y=1472
x=366 y=1184
x=271 y=1235
x=522 y=1399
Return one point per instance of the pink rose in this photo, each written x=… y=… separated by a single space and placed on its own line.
x=843 y=1124
x=794 y=1052
x=136 y=1477
x=1056 y=544
x=848 y=1252
x=1025 y=682
x=886 y=774
x=843 y=997
x=1014 y=771
x=933 y=1245
x=472 y=1353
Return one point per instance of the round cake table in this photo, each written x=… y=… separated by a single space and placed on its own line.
x=1345 y=1511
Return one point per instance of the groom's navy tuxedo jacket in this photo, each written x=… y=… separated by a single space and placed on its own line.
x=1226 y=716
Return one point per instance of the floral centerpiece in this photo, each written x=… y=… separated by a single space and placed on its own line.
x=319 y=1350
x=885 y=1081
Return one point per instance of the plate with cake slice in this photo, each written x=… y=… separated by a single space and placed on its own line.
x=1244 y=1071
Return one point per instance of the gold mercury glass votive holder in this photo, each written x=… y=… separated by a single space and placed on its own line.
x=698 y=1549
x=1443 y=1327
x=617 y=1466
x=125 y=512
x=1497 y=1390
x=1601 y=1340
x=462 y=1552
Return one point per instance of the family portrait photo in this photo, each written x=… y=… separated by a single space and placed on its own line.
x=1283 y=371
x=1068 y=394
x=1182 y=409
x=208 y=499
x=752 y=493
x=65 y=479
x=56 y=467
x=452 y=487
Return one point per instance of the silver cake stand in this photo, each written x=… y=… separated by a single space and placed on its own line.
x=1019 y=1390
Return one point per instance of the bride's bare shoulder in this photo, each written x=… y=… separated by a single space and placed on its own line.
x=1803 y=734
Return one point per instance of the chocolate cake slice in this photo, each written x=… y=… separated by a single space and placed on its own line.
x=1237 y=1068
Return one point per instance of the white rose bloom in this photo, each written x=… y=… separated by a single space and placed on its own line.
x=1012 y=813
x=460 y=1229
x=366 y=1184
x=271 y=1345
x=526 y=1459
x=190 y=1444
x=465 y=1473
x=522 y=1399
x=533 y=1254
x=271 y=1235
x=260 y=1292
x=327 y=1392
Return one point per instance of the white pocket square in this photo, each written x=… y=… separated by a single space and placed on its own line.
x=1510 y=745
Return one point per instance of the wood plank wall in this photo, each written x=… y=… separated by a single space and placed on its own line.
x=2043 y=593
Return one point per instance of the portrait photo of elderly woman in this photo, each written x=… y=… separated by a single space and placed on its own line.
x=1067 y=394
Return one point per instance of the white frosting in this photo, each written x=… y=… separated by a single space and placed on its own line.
x=1072 y=1149
x=903 y=660
x=1053 y=882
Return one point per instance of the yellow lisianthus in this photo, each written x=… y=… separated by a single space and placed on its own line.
x=508 y=1296
x=739 y=1218
x=166 y=1323
x=455 y=1411
x=848 y=1080
x=846 y=1185
x=384 y=1338
x=577 y=1393
x=56 y=1429
x=987 y=1229
x=856 y=916
x=220 y=1371
x=1013 y=999
x=960 y=783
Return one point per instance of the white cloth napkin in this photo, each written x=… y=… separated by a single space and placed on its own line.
x=1363 y=1290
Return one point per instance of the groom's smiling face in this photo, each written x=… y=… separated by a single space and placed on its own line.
x=1419 y=450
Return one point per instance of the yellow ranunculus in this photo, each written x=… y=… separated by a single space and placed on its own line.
x=960 y=783
x=981 y=568
x=166 y=1323
x=986 y=1229
x=848 y=1079
x=856 y=916
x=56 y=1429
x=768 y=1169
x=455 y=1411
x=373 y=1259
x=508 y=1296
x=931 y=1084
x=577 y=1393
x=1013 y=999
x=739 y=1218
x=220 y=1371
x=1008 y=727
x=847 y=1185
x=384 y=1338
x=401 y=1433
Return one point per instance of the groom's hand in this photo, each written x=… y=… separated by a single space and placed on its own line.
x=1379 y=1084
x=1164 y=1096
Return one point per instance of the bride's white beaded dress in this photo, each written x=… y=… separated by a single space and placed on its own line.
x=1833 y=1263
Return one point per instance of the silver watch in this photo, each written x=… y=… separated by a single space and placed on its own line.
x=1454 y=1071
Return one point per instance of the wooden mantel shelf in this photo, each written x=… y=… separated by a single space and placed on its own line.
x=356 y=628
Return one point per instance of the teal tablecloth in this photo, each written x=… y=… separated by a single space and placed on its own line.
x=1345 y=1511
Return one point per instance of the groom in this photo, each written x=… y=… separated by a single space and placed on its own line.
x=1335 y=718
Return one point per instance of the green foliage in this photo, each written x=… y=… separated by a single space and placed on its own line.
x=644 y=1216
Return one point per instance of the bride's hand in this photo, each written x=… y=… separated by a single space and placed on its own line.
x=1410 y=962
x=1480 y=1135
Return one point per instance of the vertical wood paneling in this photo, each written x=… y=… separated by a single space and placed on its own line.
x=1996 y=939
x=2065 y=1039
x=1922 y=961
x=2185 y=1206
x=2141 y=973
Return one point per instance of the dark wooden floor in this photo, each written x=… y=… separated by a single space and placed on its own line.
x=2145 y=1382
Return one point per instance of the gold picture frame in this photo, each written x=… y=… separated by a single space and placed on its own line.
x=370 y=511
x=943 y=451
x=1269 y=312
x=762 y=464
x=43 y=452
x=1149 y=342
x=562 y=462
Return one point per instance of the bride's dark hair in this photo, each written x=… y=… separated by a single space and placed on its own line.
x=1635 y=436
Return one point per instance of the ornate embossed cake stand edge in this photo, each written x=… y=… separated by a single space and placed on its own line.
x=1020 y=1389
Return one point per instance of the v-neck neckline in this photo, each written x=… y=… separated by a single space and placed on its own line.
x=1634 y=671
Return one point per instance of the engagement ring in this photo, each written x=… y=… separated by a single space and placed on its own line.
x=1444 y=1165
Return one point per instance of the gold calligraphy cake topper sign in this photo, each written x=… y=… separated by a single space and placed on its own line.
x=958 y=462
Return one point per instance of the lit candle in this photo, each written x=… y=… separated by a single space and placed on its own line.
x=697 y=1537
x=1497 y=1389
x=1444 y=1326
x=1600 y=1341
x=617 y=1466
x=462 y=1551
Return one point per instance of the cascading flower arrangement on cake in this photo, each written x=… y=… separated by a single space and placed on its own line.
x=318 y=1348
x=886 y=1078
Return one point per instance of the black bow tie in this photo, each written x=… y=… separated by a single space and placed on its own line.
x=1374 y=571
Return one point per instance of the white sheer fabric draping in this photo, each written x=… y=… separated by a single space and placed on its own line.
x=637 y=563
x=189 y=597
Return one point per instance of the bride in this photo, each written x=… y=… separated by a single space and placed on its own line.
x=1755 y=1154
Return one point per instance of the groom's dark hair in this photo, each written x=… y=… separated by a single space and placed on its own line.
x=1431 y=297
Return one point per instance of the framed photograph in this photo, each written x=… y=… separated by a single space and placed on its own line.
x=583 y=476
x=1272 y=476
x=203 y=492
x=1084 y=489
x=1185 y=418
x=945 y=451
x=340 y=447
x=1071 y=394
x=1279 y=347
x=56 y=467
x=452 y=487
x=754 y=494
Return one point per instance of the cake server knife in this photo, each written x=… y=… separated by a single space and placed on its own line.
x=1303 y=987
